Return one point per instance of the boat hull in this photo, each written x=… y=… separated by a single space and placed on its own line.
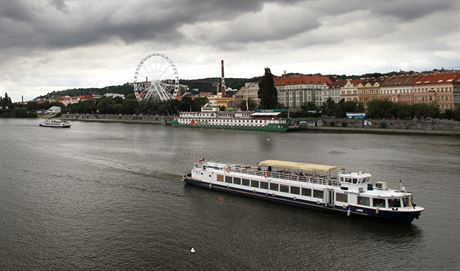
x=51 y=126
x=267 y=128
x=393 y=216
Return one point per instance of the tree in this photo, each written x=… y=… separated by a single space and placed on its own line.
x=105 y=105
x=448 y=114
x=267 y=92
x=457 y=112
x=340 y=109
x=6 y=100
x=309 y=106
x=129 y=106
x=186 y=104
x=329 y=107
x=379 y=109
x=251 y=105
x=199 y=102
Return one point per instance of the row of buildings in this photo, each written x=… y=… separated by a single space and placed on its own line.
x=442 y=88
x=66 y=100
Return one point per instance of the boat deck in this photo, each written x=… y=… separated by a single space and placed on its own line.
x=283 y=175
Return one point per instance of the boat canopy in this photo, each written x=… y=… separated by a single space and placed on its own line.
x=265 y=114
x=296 y=165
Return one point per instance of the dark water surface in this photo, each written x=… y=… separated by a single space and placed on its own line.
x=109 y=197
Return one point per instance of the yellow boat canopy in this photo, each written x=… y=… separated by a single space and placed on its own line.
x=296 y=165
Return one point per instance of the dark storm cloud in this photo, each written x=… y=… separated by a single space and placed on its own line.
x=403 y=10
x=59 y=4
x=43 y=24
x=411 y=9
x=61 y=24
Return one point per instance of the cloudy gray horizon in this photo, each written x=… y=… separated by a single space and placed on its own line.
x=58 y=44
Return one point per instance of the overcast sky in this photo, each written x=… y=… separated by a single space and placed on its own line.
x=58 y=44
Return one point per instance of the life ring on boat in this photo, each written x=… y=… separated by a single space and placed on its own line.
x=266 y=174
x=227 y=169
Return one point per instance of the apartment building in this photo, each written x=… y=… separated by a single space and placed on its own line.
x=294 y=91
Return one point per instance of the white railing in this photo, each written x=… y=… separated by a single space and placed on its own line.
x=284 y=175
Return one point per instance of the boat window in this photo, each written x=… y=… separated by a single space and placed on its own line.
x=263 y=185
x=364 y=201
x=237 y=180
x=295 y=190
x=228 y=179
x=348 y=180
x=254 y=183
x=306 y=192
x=246 y=182
x=378 y=203
x=318 y=194
x=405 y=201
x=284 y=188
x=341 y=197
x=394 y=203
x=220 y=178
x=274 y=186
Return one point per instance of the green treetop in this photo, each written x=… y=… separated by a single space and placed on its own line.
x=267 y=92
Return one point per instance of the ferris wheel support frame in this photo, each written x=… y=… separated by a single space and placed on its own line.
x=155 y=87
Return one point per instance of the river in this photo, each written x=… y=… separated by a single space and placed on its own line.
x=103 y=196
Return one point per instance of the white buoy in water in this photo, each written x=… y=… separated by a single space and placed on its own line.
x=268 y=139
x=192 y=250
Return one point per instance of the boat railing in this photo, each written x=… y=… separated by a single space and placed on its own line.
x=309 y=178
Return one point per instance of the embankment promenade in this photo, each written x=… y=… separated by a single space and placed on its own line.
x=139 y=119
x=407 y=127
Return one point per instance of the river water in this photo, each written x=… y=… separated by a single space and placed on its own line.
x=109 y=197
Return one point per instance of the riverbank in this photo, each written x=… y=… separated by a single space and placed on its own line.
x=378 y=131
x=137 y=119
x=403 y=127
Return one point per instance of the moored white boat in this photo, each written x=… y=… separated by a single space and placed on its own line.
x=308 y=185
x=54 y=123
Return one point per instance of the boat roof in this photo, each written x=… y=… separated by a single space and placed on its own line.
x=265 y=114
x=297 y=165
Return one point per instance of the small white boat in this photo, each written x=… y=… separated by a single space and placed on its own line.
x=54 y=123
x=308 y=185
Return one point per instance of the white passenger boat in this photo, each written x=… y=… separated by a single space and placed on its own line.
x=54 y=123
x=308 y=185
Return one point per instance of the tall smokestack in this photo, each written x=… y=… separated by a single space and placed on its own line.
x=222 y=78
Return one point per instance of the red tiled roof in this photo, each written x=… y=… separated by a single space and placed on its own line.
x=354 y=82
x=437 y=78
x=400 y=80
x=302 y=79
x=338 y=84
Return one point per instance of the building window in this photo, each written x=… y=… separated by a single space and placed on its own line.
x=274 y=186
x=228 y=179
x=295 y=190
x=378 y=203
x=254 y=183
x=364 y=201
x=284 y=188
x=341 y=197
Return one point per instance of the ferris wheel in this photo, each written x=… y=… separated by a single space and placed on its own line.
x=156 y=77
